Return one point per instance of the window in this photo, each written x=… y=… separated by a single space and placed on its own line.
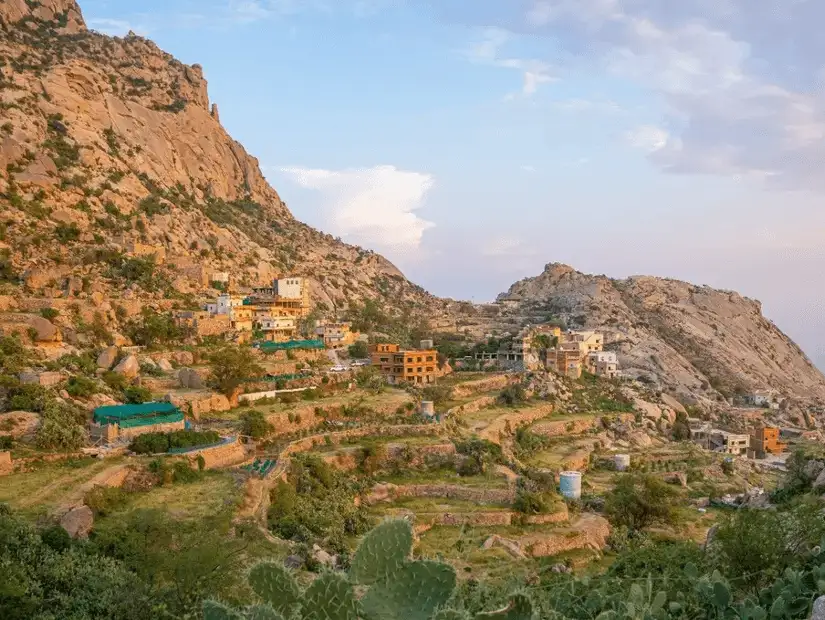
x=418 y=360
x=409 y=371
x=420 y=369
x=409 y=360
x=429 y=358
x=429 y=368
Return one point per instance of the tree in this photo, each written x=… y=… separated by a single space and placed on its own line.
x=255 y=425
x=61 y=427
x=637 y=502
x=681 y=428
x=358 y=350
x=231 y=367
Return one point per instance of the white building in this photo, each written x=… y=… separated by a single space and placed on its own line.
x=226 y=303
x=603 y=363
x=729 y=443
x=291 y=288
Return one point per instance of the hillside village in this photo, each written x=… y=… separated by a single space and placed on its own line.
x=207 y=406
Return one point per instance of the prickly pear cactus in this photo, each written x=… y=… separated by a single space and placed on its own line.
x=276 y=585
x=413 y=592
x=330 y=597
x=263 y=612
x=519 y=608
x=400 y=588
x=213 y=610
x=382 y=552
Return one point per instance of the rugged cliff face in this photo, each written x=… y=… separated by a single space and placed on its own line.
x=692 y=340
x=110 y=147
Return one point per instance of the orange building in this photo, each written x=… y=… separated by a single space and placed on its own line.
x=766 y=441
x=413 y=366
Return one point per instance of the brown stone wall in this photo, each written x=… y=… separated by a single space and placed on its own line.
x=217 y=457
x=129 y=433
x=514 y=420
x=464 y=493
x=487 y=384
x=214 y=326
x=473 y=406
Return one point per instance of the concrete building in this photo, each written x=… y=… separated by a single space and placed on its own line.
x=336 y=335
x=766 y=441
x=603 y=364
x=278 y=329
x=225 y=303
x=587 y=340
x=286 y=295
x=242 y=318
x=419 y=366
x=729 y=443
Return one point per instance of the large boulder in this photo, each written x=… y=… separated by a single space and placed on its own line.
x=190 y=379
x=78 y=522
x=818 y=611
x=819 y=483
x=46 y=330
x=184 y=358
x=165 y=365
x=107 y=358
x=129 y=367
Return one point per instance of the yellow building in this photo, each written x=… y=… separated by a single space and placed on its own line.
x=336 y=335
x=241 y=318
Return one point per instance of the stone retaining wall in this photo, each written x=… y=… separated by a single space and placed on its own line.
x=487 y=384
x=216 y=457
x=589 y=532
x=514 y=420
x=474 y=405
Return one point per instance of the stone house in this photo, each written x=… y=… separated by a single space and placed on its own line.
x=603 y=364
x=336 y=335
x=729 y=443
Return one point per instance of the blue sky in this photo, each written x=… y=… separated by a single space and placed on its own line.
x=472 y=142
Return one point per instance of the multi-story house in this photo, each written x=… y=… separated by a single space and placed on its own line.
x=336 y=335
x=419 y=366
x=603 y=364
x=286 y=297
x=278 y=329
x=729 y=443
x=766 y=441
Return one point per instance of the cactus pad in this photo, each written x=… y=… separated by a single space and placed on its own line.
x=262 y=612
x=212 y=610
x=329 y=597
x=519 y=608
x=413 y=592
x=382 y=552
x=275 y=585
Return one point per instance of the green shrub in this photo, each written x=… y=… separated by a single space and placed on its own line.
x=254 y=424
x=135 y=395
x=105 y=500
x=81 y=387
x=639 y=501
x=158 y=443
x=66 y=232
x=49 y=313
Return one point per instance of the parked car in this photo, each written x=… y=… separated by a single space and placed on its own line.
x=359 y=363
x=338 y=368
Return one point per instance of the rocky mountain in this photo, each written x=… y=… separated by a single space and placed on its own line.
x=694 y=341
x=111 y=152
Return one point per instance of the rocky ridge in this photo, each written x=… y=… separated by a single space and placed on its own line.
x=110 y=149
x=695 y=341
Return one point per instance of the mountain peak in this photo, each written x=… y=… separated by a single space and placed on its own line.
x=65 y=12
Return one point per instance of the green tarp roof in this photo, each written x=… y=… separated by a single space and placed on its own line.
x=116 y=413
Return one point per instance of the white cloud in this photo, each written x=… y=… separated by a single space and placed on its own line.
x=115 y=27
x=534 y=72
x=648 y=138
x=529 y=169
x=740 y=82
x=374 y=207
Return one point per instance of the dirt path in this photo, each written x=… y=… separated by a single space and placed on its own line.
x=110 y=477
x=45 y=491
